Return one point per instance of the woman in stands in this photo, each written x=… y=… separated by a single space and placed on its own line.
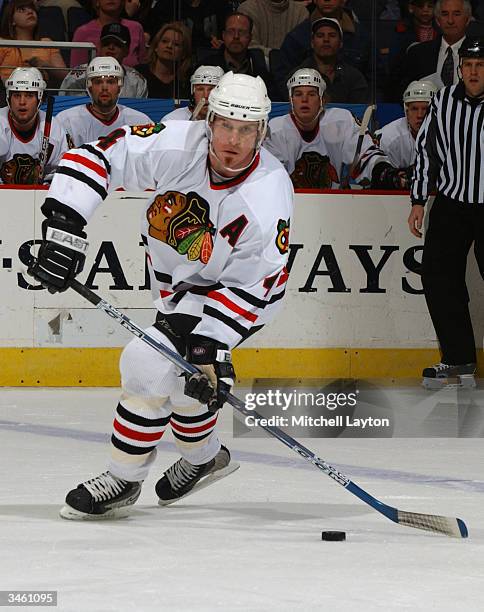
x=20 y=22
x=169 y=62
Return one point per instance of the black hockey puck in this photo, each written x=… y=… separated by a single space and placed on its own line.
x=333 y=536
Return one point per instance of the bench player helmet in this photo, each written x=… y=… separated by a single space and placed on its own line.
x=25 y=79
x=104 y=67
x=419 y=91
x=206 y=75
x=307 y=77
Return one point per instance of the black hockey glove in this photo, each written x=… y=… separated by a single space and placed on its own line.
x=385 y=176
x=61 y=254
x=217 y=374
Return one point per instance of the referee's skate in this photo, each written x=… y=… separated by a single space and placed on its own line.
x=444 y=375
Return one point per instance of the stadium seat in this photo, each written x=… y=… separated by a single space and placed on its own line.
x=51 y=23
x=76 y=17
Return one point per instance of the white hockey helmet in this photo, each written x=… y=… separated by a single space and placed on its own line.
x=206 y=75
x=419 y=91
x=306 y=77
x=240 y=96
x=26 y=79
x=104 y=67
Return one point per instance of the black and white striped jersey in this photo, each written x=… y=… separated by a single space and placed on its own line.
x=450 y=149
x=217 y=251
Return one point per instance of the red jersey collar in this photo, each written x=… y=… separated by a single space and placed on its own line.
x=110 y=122
x=306 y=136
x=17 y=134
x=235 y=180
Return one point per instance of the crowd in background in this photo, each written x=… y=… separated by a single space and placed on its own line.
x=354 y=51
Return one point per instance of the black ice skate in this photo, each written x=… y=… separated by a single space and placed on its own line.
x=103 y=497
x=438 y=376
x=183 y=478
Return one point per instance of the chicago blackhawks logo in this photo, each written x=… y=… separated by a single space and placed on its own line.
x=147 y=130
x=282 y=238
x=315 y=171
x=182 y=221
x=22 y=169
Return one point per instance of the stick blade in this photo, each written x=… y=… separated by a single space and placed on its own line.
x=452 y=527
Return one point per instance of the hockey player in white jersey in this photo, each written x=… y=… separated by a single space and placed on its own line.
x=315 y=144
x=22 y=129
x=202 y=81
x=216 y=235
x=397 y=139
x=88 y=122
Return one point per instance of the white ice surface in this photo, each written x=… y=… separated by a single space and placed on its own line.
x=251 y=542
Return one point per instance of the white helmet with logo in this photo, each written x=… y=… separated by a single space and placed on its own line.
x=306 y=77
x=241 y=97
x=419 y=91
x=206 y=75
x=25 y=79
x=104 y=67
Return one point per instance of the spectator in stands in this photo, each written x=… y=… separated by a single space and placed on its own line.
x=200 y=16
x=273 y=20
x=109 y=11
x=297 y=44
x=115 y=41
x=344 y=83
x=22 y=130
x=20 y=22
x=397 y=139
x=315 y=144
x=88 y=122
x=438 y=59
x=202 y=81
x=234 y=55
x=169 y=62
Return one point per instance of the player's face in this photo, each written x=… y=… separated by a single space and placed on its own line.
x=202 y=91
x=170 y=46
x=112 y=48
x=424 y=13
x=326 y=42
x=416 y=112
x=453 y=20
x=305 y=103
x=105 y=92
x=233 y=143
x=23 y=107
x=473 y=76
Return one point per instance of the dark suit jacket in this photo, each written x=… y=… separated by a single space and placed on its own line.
x=420 y=60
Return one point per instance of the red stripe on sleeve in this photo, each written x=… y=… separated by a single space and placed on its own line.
x=219 y=297
x=88 y=163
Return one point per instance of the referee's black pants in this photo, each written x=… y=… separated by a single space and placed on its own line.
x=453 y=227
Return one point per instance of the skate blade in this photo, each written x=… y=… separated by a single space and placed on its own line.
x=205 y=482
x=464 y=381
x=70 y=514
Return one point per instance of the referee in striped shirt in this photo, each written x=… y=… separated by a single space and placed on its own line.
x=450 y=159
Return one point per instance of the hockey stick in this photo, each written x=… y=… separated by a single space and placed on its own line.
x=44 y=151
x=345 y=182
x=197 y=109
x=453 y=527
